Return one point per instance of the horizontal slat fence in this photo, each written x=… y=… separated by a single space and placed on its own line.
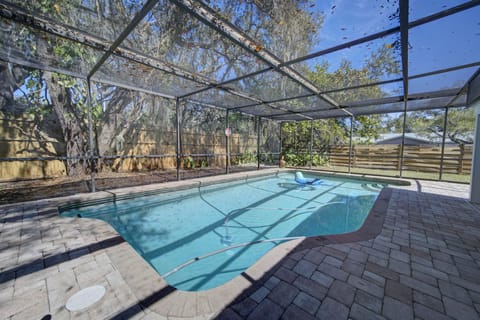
x=457 y=159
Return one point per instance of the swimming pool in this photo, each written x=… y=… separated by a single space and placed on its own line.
x=200 y=238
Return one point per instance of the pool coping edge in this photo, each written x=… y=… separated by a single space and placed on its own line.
x=151 y=290
x=154 y=293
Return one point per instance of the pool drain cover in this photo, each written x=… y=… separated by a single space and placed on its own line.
x=85 y=298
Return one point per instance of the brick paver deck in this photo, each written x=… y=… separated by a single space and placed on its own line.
x=418 y=257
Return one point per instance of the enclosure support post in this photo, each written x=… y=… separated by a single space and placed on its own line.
x=90 y=136
x=295 y=138
x=443 y=142
x=404 y=8
x=311 y=143
x=179 y=143
x=475 y=175
x=473 y=101
x=402 y=146
x=259 y=125
x=350 y=146
x=281 y=139
x=227 y=144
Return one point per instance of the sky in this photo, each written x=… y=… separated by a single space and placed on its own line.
x=445 y=43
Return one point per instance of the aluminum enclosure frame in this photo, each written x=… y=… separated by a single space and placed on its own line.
x=214 y=20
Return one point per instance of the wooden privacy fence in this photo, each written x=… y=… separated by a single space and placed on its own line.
x=26 y=156
x=456 y=159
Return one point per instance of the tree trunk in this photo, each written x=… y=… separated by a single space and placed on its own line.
x=73 y=135
x=11 y=77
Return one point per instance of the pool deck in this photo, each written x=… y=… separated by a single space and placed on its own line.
x=416 y=257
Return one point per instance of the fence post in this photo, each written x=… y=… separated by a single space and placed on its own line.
x=460 y=161
x=294 y=142
x=354 y=156
x=311 y=143
x=350 y=146
x=90 y=136
x=281 y=139
x=179 y=144
x=258 y=142
x=443 y=143
x=227 y=143
x=400 y=155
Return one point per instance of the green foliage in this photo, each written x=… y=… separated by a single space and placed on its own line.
x=376 y=66
x=247 y=157
x=430 y=123
x=188 y=163
x=70 y=53
x=367 y=127
x=294 y=159
x=319 y=160
x=461 y=125
x=303 y=159
x=336 y=131
x=383 y=62
x=34 y=95
x=203 y=163
x=243 y=158
x=325 y=132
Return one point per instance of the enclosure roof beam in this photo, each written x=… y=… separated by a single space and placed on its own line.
x=369 y=111
x=334 y=113
x=42 y=66
x=418 y=22
x=135 y=21
x=222 y=84
x=256 y=101
x=445 y=13
x=210 y=105
x=381 y=100
x=413 y=97
x=464 y=89
x=22 y=16
x=208 y=16
x=404 y=45
x=404 y=27
x=396 y=99
x=48 y=25
x=417 y=76
x=278 y=100
x=132 y=87
x=322 y=52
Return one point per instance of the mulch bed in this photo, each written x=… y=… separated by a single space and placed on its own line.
x=27 y=190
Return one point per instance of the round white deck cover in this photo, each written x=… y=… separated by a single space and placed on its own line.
x=85 y=298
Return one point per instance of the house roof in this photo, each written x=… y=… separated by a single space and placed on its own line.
x=415 y=137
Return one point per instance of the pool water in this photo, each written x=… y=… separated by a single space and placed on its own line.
x=172 y=228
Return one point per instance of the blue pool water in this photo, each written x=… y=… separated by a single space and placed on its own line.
x=170 y=229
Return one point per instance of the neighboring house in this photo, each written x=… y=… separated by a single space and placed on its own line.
x=411 y=139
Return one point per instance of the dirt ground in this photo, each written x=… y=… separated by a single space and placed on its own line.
x=27 y=190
